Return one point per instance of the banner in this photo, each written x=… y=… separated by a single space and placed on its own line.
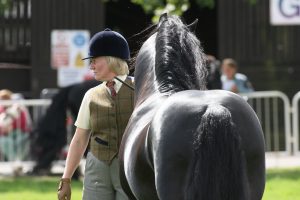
x=285 y=12
x=68 y=47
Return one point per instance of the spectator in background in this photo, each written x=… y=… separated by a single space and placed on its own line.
x=15 y=126
x=232 y=80
x=214 y=74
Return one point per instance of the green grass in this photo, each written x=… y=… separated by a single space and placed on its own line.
x=282 y=184
x=34 y=188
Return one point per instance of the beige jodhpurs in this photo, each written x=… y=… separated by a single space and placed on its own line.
x=102 y=181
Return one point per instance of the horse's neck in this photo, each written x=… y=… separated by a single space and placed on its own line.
x=145 y=77
x=146 y=88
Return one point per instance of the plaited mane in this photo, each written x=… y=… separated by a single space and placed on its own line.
x=179 y=61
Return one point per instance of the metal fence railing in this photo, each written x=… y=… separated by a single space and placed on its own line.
x=295 y=114
x=273 y=111
x=279 y=119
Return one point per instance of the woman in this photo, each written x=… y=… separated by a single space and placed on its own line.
x=102 y=119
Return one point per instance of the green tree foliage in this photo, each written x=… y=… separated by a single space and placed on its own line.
x=178 y=7
x=157 y=7
x=4 y=5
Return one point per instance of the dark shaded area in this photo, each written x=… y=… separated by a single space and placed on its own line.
x=50 y=135
x=214 y=75
x=128 y=19
x=207 y=26
x=267 y=54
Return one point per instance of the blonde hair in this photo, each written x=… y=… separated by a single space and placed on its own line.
x=5 y=94
x=117 y=65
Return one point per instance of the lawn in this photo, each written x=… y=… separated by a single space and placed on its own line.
x=283 y=184
x=34 y=188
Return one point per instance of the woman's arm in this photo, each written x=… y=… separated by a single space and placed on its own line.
x=77 y=148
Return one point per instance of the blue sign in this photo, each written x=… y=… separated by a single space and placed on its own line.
x=79 y=40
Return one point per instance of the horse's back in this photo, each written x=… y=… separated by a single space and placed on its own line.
x=172 y=134
x=185 y=109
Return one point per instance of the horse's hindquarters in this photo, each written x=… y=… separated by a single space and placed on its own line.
x=172 y=135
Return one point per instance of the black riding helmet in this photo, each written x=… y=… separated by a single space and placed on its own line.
x=108 y=43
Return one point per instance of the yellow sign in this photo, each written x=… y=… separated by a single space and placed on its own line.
x=79 y=63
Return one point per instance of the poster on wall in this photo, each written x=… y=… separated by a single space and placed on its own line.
x=285 y=12
x=68 y=47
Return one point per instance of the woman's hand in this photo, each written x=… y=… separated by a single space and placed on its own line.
x=64 y=189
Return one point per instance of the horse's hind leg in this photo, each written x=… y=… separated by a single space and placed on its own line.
x=170 y=183
x=171 y=143
x=256 y=177
x=171 y=160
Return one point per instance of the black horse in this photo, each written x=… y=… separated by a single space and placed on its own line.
x=183 y=141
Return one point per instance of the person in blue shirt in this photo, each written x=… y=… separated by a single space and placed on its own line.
x=232 y=80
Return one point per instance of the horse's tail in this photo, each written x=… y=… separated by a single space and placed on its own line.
x=218 y=168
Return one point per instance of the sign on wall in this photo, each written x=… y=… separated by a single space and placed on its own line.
x=285 y=12
x=68 y=47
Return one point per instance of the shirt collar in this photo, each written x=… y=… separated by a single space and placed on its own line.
x=118 y=84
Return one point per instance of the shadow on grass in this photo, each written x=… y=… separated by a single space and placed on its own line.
x=289 y=174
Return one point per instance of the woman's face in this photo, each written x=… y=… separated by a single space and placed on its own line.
x=100 y=69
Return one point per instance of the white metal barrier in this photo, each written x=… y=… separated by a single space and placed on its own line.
x=273 y=111
x=295 y=113
x=14 y=141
